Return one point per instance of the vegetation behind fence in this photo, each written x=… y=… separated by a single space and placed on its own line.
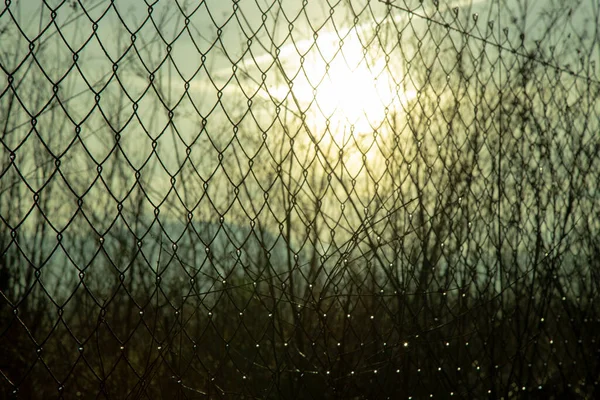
x=283 y=199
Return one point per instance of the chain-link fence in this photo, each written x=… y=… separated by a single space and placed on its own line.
x=286 y=199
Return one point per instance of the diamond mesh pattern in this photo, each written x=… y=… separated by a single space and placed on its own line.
x=284 y=199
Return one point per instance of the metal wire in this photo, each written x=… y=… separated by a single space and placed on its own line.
x=280 y=199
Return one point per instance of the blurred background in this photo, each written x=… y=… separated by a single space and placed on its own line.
x=285 y=199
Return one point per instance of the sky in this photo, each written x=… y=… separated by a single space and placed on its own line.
x=223 y=35
x=320 y=60
x=233 y=53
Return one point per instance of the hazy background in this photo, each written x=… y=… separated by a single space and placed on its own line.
x=422 y=175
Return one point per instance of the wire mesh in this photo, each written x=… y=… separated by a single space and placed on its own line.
x=284 y=199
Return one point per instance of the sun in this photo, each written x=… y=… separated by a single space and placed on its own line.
x=343 y=90
x=354 y=92
x=340 y=86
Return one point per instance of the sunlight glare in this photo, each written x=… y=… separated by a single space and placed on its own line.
x=342 y=86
